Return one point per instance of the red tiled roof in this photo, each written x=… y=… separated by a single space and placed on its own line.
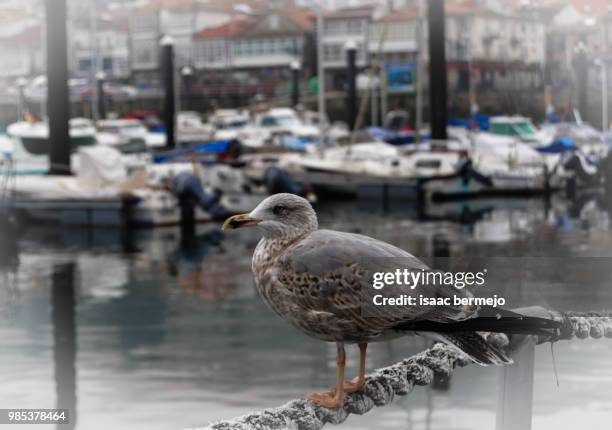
x=304 y=18
x=225 y=31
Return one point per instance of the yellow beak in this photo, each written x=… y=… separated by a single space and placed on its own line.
x=238 y=221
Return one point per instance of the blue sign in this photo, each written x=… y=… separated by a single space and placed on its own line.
x=400 y=77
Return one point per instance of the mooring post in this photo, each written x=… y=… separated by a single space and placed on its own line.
x=187 y=211
x=58 y=102
x=295 y=83
x=437 y=70
x=167 y=67
x=100 y=78
x=351 y=68
x=188 y=220
x=515 y=398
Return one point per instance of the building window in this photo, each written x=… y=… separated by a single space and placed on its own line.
x=333 y=27
x=84 y=64
x=143 y=23
x=237 y=48
x=107 y=63
x=212 y=51
x=355 y=26
x=333 y=53
x=145 y=52
x=257 y=47
x=267 y=47
x=290 y=46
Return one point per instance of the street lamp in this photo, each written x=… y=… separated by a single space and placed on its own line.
x=187 y=77
x=187 y=71
x=295 y=67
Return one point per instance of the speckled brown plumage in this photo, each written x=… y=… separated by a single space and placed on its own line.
x=316 y=281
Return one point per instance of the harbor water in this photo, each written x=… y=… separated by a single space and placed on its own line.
x=152 y=329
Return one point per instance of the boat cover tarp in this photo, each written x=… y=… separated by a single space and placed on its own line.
x=48 y=188
x=100 y=175
x=390 y=136
x=215 y=147
x=559 y=146
x=477 y=121
x=100 y=166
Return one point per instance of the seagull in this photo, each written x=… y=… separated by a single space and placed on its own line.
x=314 y=279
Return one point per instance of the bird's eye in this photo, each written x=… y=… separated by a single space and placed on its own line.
x=279 y=209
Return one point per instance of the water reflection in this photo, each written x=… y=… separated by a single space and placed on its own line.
x=64 y=340
x=168 y=332
x=9 y=261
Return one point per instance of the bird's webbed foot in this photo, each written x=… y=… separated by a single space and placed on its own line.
x=354 y=385
x=327 y=399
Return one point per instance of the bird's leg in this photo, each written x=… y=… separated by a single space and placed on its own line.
x=333 y=399
x=358 y=383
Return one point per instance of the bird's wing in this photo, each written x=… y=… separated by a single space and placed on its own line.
x=331 y=272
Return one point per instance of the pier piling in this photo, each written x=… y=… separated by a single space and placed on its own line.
x=100 y=79
x=437 y=70
x=295 y=83
x=167 y=69
x=351 y=68
x=58 y=103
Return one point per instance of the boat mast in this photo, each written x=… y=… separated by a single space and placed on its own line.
x=320 y=79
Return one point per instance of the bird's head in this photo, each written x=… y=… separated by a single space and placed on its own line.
x=278 y=216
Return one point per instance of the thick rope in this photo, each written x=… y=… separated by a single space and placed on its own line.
x=399 y=379
x=590 y=324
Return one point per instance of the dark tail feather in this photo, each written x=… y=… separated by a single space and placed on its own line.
x=477 y=348
x=497 y=324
